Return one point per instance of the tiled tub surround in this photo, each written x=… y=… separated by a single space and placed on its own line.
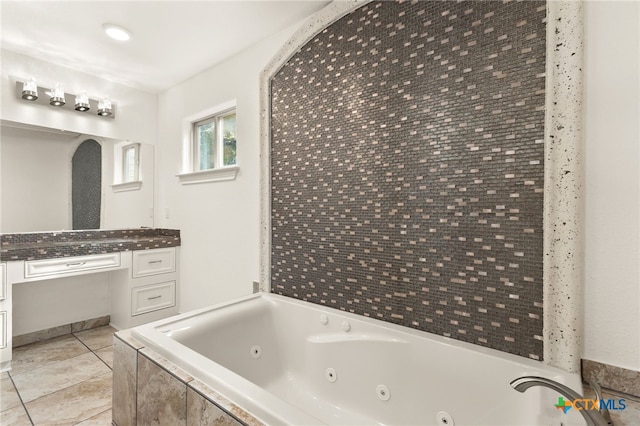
x=332 y=367
x=48 y=245
x=148 y=389
x=407 y=169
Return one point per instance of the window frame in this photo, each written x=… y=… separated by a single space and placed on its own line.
x=190 y=170
x=217 y=119
x=136 y=159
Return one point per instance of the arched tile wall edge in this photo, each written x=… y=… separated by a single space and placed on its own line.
x=563 y=202
x=564 y=193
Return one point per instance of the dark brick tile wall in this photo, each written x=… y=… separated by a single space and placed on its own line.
x=407 y=169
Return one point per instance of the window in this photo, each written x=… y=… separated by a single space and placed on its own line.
x=209 y=145
x=214 y=141
x=130 y=162
x=127 y=175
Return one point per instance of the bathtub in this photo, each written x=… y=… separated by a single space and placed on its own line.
x=290 y=362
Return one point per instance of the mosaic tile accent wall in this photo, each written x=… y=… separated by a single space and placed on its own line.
x=407 y=169
x=86 y=185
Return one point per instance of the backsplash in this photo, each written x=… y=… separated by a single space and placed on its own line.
x=407 y=169
x=48 y=245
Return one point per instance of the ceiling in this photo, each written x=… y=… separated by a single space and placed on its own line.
x=171 y=40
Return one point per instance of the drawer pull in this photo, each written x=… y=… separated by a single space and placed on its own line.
x=154 y=261
x=71 y=265
x=154 y=297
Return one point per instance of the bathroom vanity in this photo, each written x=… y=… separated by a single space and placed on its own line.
x=143 y=263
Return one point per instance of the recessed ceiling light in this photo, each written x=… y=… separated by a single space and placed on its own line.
x=116 y=32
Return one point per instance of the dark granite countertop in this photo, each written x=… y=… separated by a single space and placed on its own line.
x=51 y=245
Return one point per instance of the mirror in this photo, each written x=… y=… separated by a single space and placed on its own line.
x=37 y=183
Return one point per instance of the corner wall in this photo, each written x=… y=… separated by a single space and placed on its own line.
x=219 y=221
x=612 y=233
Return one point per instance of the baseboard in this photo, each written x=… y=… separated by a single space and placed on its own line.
x=61 y=330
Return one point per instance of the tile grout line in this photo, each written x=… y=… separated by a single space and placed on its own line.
x=91 y=351
x=82 y=421
x=104 y=362
x=20 y=398
x=94 y=352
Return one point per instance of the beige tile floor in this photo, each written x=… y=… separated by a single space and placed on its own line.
x=61 y=381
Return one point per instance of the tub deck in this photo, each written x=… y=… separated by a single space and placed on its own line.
x=291 y=362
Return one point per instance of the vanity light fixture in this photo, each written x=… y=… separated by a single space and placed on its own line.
x=104 y=107
x=27 y=90
x=30 y=90
x=82 y=102
x=116 y=32
x=57 y=96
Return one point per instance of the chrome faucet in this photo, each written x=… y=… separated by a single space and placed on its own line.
x=603 y=410
x=592 y=417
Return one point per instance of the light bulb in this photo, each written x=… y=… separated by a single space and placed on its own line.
x=30 y=90
x=82 y=102
x=57 y=96
x=104 y=107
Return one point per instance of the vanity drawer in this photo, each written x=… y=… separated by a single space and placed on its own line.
x=155 y=261
x=153 y=297
x=3 y=281
x=3 y=329
x=65 y=265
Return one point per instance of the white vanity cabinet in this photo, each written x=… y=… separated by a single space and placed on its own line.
x=143 y=285
x=148 y=290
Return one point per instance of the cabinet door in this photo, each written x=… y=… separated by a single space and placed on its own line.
x=3 y=329
x=3 y=281
x=155 y=261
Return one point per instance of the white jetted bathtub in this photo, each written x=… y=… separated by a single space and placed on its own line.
x=291 y=362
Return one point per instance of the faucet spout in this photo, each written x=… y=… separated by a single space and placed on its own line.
x=592 y=417
x=603 y=410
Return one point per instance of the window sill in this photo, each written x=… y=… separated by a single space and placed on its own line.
x=213 y=175
x=127 y=186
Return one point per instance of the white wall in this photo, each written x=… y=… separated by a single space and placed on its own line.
x=44 y=304
x=220 y=221
x=35 y=189
x=612 y=288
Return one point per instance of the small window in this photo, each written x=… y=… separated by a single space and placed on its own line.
x=214 y=141
x=130 y=163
